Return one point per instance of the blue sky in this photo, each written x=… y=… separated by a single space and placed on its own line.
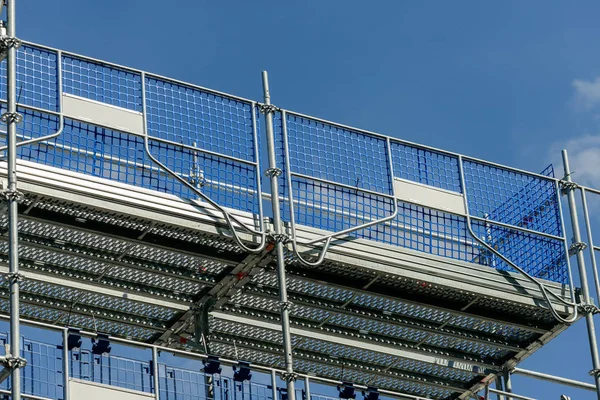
x=511 y=82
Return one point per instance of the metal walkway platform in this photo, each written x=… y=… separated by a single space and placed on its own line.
x=138 y=215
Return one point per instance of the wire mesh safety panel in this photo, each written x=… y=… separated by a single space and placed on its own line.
x=43 y=374
x=340 y=177
x=208 y=139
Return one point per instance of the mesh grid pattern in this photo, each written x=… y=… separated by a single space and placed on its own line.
x=512 y=198
x=426 y=166
x=195 y=117
x=338 y=154
x=337 y=208
x=539 y=256
x=111 y=370
x=43 y=374
x=114 y=155
x=101 y=82
x=37 y=78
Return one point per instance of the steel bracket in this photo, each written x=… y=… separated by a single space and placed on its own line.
x=576 y=247
x=267 y=108
x=9 y=117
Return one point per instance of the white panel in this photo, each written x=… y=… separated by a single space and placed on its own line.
x=103 y=114
x=429 y=196
x=84 y=390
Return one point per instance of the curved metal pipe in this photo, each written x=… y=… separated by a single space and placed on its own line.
x=545 y=293
x=228 y=217
x=327 y=238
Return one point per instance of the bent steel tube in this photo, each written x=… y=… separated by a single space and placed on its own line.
x=228 y=217
x=545 y=293
x=328 y=238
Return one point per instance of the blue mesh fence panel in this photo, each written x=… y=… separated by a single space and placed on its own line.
x=37 y=78
x=194 y=117
x=539 y=256
x=42 y=376
x=183 y=384
x=513 y=198
x=338 y=154
x=101 y=82
x=426 y=166
x=111 y=370
x=121 y=157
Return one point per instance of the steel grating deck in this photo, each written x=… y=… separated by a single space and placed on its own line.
x=102 y=269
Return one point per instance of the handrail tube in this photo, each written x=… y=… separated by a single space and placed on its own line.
x=555 y=379
x=590 y=237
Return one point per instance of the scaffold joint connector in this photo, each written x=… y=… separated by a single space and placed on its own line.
x=595 y=372
x=13 y=277
x=286 y=305
x=289 y=376
x=278 y=237
x=567 y=186
x=12 y=195
x=10 y=117
x=576 y=247
x=8 y=42
x=267 y=108
x=271 y=172
x=589 y=309
x=13 y=362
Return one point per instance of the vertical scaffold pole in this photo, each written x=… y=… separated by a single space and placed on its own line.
x=273 y=173
x=589 y=319
x=11 y=117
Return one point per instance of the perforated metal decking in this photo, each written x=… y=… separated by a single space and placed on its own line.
x=401 y=259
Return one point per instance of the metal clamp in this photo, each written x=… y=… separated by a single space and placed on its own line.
x=9 y=117
x=595 y=372
x=267 y=108
x=271 y=172
x=8 y=42
x=576 y=247
x=589 y=309
x=13 y=277
x=567 y=186
x=289 y=376
x=278 y=237
x=286 y=305
x=12 y=195
x=13 y=362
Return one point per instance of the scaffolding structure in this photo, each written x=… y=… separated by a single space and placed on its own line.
x=383 y=266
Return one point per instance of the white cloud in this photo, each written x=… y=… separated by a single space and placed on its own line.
x=587 y=93
x=584 y=159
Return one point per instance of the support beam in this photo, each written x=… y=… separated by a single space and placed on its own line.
x=378 y=316
x=441 y=360
x=318 y=277
x=341 y=364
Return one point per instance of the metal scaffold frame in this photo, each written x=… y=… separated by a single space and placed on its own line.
x=296 y=254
